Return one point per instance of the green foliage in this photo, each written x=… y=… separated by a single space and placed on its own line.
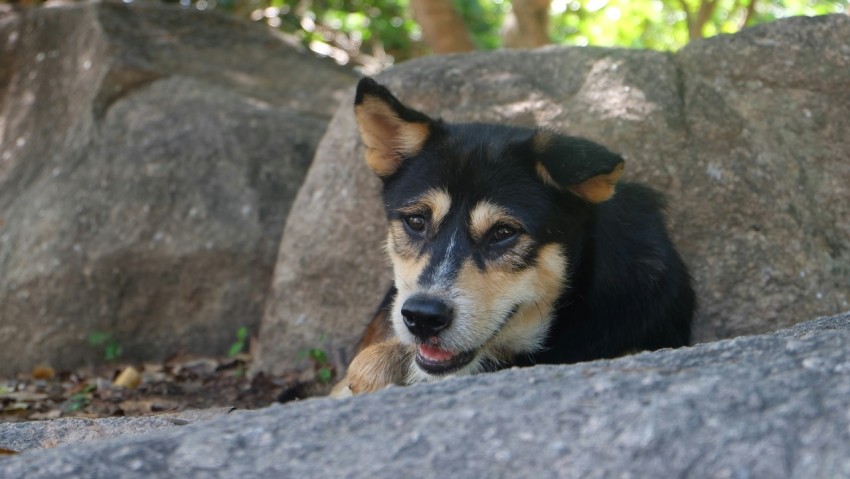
x=342 y=29
x=321 y=364
x=81 y=399
x=238 y=346
x=663 y=24
x=633 y=24
x=484 y=19
x=378 y=32
x=111 y=348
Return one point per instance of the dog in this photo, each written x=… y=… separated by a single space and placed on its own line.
x=510 y=247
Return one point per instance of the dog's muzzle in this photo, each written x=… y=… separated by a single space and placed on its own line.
x=426 y=316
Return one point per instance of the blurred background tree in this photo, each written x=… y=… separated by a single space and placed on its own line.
x=373 y=34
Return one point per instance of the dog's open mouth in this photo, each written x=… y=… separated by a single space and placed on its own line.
x=433 y=359
x=436 y=360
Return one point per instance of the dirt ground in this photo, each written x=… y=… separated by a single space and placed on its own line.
x=121 y=389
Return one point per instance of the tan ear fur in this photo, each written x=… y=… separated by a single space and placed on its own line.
x=387 y=137
x=599 y=188
x=544 y=175
x=563 y=162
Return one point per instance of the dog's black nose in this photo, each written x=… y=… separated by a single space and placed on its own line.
x=426 y=316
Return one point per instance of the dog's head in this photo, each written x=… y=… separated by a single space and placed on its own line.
x=480 y=219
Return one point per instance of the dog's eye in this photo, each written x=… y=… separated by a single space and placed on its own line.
x=503 y=233
x=415 y=222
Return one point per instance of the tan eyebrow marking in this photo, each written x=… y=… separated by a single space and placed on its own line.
x=485 y=215
x=436 y=200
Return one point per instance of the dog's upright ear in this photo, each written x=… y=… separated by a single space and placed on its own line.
x=587 y=169
x=390 y=130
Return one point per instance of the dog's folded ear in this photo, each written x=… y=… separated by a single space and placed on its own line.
x=587 y=169
x=390 y=130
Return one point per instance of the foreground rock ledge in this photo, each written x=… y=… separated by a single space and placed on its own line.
x=762 y=406
x=23 y=436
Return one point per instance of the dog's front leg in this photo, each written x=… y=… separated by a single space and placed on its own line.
x=376 y=367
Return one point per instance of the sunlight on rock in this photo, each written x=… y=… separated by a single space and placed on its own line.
x=543 y=111
x=606 y=93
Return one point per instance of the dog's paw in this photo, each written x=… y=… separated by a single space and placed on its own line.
x=376 y=367
x=341 y=389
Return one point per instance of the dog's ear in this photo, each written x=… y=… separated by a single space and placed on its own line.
x=587 y=169
x=390 y=130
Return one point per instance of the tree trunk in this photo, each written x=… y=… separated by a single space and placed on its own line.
x=527 y=26
x=696 y=21
x=442 y=28
x=751 y=10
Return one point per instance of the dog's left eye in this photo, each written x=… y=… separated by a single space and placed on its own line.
x=415 y=222
x=503 y=233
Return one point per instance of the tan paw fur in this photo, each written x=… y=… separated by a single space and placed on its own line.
x=376 y=367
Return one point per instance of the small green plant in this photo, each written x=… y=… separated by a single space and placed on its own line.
x=111 y=347
x=320 y=362
x=81 y=399
x=319 y=358
x=239 y=345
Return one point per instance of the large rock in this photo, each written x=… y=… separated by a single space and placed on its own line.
x=23 y=436
x=746 y=134
x=757 y=407
x=148 y=158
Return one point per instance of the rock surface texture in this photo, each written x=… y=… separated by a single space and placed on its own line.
x=22 y=436
x=148 y=158
x=746 y=134
x=760 y=407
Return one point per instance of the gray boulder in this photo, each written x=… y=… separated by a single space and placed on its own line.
x=759 y=407
x=23 y=436
x=148 y=158
x=746 y=134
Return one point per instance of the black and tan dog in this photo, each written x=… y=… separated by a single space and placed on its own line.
x=510 y=247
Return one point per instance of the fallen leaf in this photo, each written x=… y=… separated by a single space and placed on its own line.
x=129 y=378
x=153 y=368
x=7 y=452
x=200 y=367
x=54 y=414
x=16 y=406
x=43 y=372
x=23 y=396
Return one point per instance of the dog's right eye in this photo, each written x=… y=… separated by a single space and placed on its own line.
x=415 y=222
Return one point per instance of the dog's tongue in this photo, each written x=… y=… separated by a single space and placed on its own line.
x=435 y=354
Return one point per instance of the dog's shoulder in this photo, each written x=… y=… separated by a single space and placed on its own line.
x=629 y=288
x=629 y=236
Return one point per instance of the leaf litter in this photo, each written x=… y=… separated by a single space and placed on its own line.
x=176 y=384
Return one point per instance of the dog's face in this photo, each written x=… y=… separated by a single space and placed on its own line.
x=480 y=219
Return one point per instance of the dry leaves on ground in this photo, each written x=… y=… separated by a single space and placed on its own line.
x=176 y=384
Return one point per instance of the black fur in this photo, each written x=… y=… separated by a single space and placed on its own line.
x=627 y=290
